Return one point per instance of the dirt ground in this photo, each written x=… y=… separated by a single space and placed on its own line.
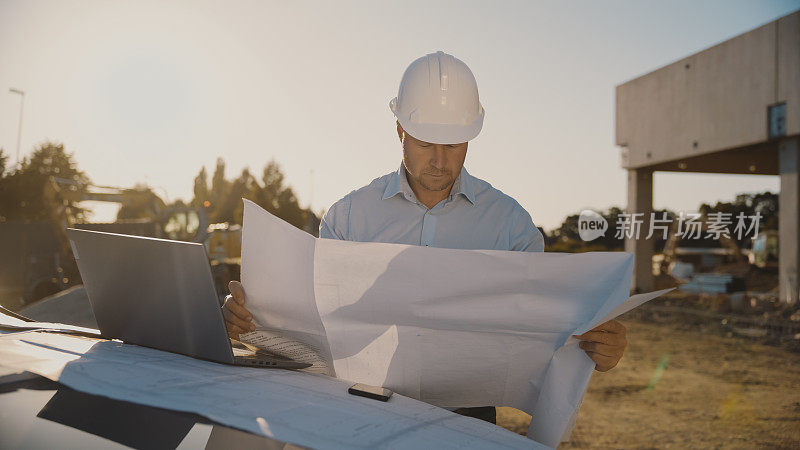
x=713 y=392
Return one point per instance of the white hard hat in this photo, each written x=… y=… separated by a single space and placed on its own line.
x=438 y=100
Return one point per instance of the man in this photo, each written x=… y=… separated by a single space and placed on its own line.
x=432 y=200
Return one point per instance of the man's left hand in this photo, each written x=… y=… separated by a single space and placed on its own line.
x=605 y=344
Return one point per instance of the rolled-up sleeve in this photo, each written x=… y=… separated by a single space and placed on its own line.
x=525 y=237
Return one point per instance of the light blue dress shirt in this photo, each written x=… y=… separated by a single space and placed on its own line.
x=474 y=216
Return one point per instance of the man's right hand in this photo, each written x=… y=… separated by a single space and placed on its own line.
x=238 y=319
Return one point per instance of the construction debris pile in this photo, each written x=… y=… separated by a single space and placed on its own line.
x=733 y=301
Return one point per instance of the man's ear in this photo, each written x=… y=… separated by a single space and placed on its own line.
x=400 y=131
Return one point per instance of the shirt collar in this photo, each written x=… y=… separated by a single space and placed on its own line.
x=398 y=184
x=464 y=185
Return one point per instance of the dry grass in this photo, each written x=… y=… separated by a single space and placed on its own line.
x=716 y=392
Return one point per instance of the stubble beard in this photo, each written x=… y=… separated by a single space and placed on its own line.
x=435 y=185
x=439 y=185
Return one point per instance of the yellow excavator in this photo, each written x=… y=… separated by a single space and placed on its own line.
x=223 y=241
x=155 y=218
x=37 y=259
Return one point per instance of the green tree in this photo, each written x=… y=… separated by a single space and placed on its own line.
x=225 y=197
x=278 y=199
x=201 y=192
x=245 y=186
x=567 y=237
x=219 y=191
x=3 y=162
x=46 y=186
x=747 y=204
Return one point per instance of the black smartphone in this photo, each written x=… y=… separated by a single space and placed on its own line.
x=373 y=392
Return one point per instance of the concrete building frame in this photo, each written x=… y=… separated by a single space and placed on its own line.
x=732 y=108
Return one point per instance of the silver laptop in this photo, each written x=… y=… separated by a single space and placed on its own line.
x=159 y=293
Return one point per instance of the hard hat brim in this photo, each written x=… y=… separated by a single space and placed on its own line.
x=439 y=133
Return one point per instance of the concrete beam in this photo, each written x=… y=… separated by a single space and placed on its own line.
x=713 y=101
x=759 y=159
x=789 y=220
x=640 y=200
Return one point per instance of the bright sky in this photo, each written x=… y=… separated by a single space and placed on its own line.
x=151 y=91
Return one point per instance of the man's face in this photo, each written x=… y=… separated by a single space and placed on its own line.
x=433 y=166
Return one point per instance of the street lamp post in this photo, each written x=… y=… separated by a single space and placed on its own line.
x=19 y=131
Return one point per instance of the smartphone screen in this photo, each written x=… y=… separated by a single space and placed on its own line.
x=373 y=392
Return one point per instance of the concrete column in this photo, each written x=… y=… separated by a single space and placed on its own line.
x=640 y=200
x=789 y=220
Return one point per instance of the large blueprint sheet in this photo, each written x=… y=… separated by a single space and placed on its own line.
x=305 y=409
x=454 y=328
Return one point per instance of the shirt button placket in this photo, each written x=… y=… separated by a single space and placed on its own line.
x=428 y=229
